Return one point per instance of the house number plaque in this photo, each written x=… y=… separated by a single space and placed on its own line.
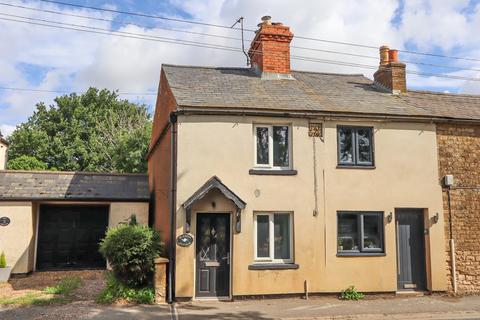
x=184 y=240
x=4 y=221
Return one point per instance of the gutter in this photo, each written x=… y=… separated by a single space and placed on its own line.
x=192 y=110
x=173 y=203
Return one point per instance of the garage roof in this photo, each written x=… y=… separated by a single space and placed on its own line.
x=50 y=185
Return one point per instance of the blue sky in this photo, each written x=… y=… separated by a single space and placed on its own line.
x=51 y=59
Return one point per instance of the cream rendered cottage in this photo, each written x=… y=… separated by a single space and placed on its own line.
x=269 y=181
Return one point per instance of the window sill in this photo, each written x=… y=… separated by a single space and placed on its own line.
x=273 y=266
x=355 y=167
x=269 y=172
x=361 y=254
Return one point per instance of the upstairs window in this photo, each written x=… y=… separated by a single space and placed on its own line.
x=355 y=146
x=272 y=146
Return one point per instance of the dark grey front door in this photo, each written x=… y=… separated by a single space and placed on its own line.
x=213 y=255
x=410 y=249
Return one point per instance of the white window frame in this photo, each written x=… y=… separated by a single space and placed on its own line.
x=271 y=258
x=270 y=147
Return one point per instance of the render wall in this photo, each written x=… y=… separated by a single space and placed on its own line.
x=17 y=238
x=459 y=155
x=405 y=176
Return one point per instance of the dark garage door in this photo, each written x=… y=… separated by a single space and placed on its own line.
x=68 y=236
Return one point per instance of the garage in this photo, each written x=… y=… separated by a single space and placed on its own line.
x=69 y=236
x=55 y=220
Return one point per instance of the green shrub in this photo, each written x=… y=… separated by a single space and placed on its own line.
x=115 y=290
x=351 y=293
x=131 y=250
x=3 y=260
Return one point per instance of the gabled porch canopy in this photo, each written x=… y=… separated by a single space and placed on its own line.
x=213 y=183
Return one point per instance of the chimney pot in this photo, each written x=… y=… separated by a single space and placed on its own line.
x=267 y=19
x=384 y=55
x=393 y=55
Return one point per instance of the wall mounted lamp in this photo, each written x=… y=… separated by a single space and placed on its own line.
x=436 y=217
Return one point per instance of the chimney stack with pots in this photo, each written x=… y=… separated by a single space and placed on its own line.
x=270 y=50
x=391 y=74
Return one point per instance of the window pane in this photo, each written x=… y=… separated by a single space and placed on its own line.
x=262 y=145
x=280 y=146
x=364 y=145
x=371 y=231
x=263 y=243
x=348 y=232
x=281 y=225
x=345 y=140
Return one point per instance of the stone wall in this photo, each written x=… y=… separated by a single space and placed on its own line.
x=459 y=155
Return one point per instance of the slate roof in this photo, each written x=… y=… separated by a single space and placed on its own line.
x=240 y=88
x=38 y=185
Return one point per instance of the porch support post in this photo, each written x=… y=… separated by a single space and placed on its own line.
x=238 y=220
x=188 y=219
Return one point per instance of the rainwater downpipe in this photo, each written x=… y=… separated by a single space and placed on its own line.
x=173 y=197
x=452 y=245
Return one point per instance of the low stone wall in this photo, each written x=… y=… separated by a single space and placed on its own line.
x=459 y=155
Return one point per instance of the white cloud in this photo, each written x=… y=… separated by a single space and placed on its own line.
x=77 y=60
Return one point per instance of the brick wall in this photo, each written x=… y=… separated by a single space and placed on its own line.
x=392 y=76
x=270 y=49
x=459 y=155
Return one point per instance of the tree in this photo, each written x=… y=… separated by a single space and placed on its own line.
x=26 y=163
x=95 y=131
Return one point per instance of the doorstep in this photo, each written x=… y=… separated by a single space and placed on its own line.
x=411 y=293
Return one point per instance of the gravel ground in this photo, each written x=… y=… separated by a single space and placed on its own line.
x=83 y=305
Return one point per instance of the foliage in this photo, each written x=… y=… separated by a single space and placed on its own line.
x=116 y=290
x=66 y=286
x=3 y=260
x=26 y=162
x=131 y=250
x=351 y=293
x=94 y=131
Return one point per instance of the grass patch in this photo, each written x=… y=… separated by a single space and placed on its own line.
x=61 y=293
x=37 y=299
x=115 y=290
x=66 y=286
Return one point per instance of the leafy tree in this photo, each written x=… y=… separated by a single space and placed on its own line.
x=26 y=163
x=94 y=131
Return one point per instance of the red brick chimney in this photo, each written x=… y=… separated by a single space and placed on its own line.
x=391 y=73
x=270 y=50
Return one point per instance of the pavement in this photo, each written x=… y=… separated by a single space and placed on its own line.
x=396 y=308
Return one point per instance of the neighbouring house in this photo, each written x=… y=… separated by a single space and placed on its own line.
x=459 y=158
x=3 y=152
x=267 y=181
x=55 y=220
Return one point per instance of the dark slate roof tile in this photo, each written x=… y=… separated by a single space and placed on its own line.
x=240 y=88
x=50 y=185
